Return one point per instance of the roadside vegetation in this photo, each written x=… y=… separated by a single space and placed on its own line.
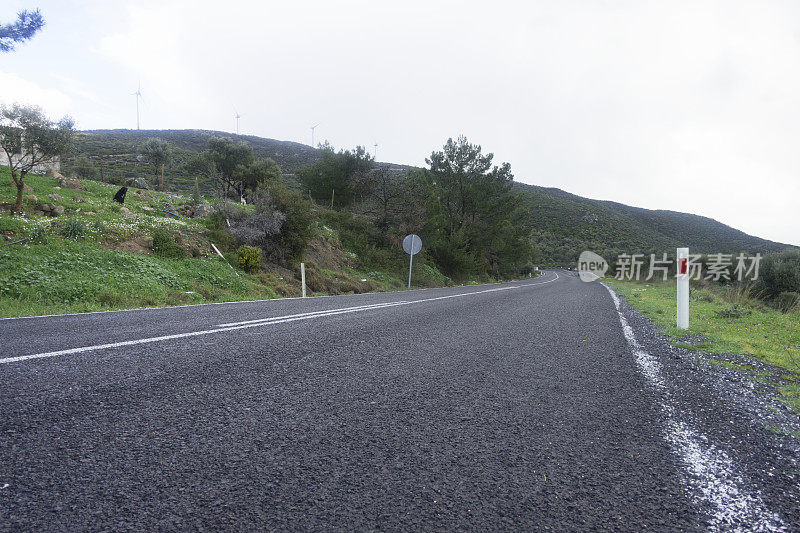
x=732 y=319
x=68 y=245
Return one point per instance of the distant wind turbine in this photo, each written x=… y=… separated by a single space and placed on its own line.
x=375 y=157
x=138 y=95
x=312 y=134
x=238 y=116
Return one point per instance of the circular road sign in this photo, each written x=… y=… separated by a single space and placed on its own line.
x=412 y=244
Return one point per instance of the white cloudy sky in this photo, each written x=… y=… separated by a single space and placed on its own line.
x=690 y=106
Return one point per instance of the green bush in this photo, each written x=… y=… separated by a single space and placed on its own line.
x=779 y=273
x=74 y=229
x=39 y=235
x=249 y=258
x=733 y=311
x=164 y=245
x=299 y=226
x=788 y=301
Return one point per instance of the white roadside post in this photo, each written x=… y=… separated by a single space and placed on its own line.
x=303 y=277
x=412 y=244
x=683 y=288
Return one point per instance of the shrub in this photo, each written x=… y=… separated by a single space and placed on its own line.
x=164 y=245
x=249 y=258
x=74 y=229
x=39 y=235
x=779 y=273
x=733 y=311
x=788 y=301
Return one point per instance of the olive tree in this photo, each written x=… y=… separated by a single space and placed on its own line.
x=159 y=153
x=31 y=141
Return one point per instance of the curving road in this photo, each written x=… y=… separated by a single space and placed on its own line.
x=511 y=406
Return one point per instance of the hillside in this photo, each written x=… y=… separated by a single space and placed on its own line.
x=564 y=224
x=77 y=250
x=115 y=151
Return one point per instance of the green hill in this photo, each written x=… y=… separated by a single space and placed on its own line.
x=564 y=224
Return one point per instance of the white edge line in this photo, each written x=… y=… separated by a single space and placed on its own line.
x=235 y=302
x=251 y=324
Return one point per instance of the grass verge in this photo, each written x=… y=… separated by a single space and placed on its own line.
x=725 y=320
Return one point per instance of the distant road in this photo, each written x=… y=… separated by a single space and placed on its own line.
x=509 y=406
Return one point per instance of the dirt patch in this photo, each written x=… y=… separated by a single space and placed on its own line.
x=323 y=252
x=139 y=245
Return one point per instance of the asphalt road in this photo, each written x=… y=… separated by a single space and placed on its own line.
x=513 y=406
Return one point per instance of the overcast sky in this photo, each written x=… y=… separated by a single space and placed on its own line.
x=690 y=106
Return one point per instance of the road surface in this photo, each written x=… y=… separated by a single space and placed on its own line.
x=526 y=405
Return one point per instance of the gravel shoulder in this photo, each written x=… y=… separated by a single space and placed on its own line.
x=738 y=418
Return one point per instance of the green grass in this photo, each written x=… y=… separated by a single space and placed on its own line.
x=65 y=276
x=728 y=321
x=146 y=212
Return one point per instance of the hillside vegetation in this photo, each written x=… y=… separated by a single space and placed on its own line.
x=100 y=255
x=563 y=224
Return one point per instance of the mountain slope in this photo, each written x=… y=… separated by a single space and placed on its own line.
x=564 y=224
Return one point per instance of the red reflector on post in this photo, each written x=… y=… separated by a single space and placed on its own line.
x=682 y=265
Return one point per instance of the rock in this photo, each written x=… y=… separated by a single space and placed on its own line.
x=39 y=213
x=88 y=213
x=32 y=199
x=59 y=210
x=27 y=188
x=147 y=208
x=52 y=174
x=47 y=208
x=202 y=210
x=126 y=212
x=141 y=183
x=71 y=183
x=78 y=198
x=55 y=197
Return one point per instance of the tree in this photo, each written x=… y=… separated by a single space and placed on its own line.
x=159 y=153
x=475 y=220
x=336 y=177
x=31 y=141
x=391 y=196
x=257 y=172
x=25 y=27
x=227 y=156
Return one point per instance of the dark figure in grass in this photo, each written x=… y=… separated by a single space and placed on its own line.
x=120 y=196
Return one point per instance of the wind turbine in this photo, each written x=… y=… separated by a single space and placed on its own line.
x=375 y=157
x=138 y=95
x=312 y=134
x=238 y=116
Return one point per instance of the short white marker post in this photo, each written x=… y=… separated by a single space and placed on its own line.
x=303 y=277
x=683 y=288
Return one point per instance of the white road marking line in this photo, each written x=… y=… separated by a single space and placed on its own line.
x=312 y=314
x=217 y=303
x=712 y=473
x=251 y=324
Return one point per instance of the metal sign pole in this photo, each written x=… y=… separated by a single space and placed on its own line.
x=410 y=263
